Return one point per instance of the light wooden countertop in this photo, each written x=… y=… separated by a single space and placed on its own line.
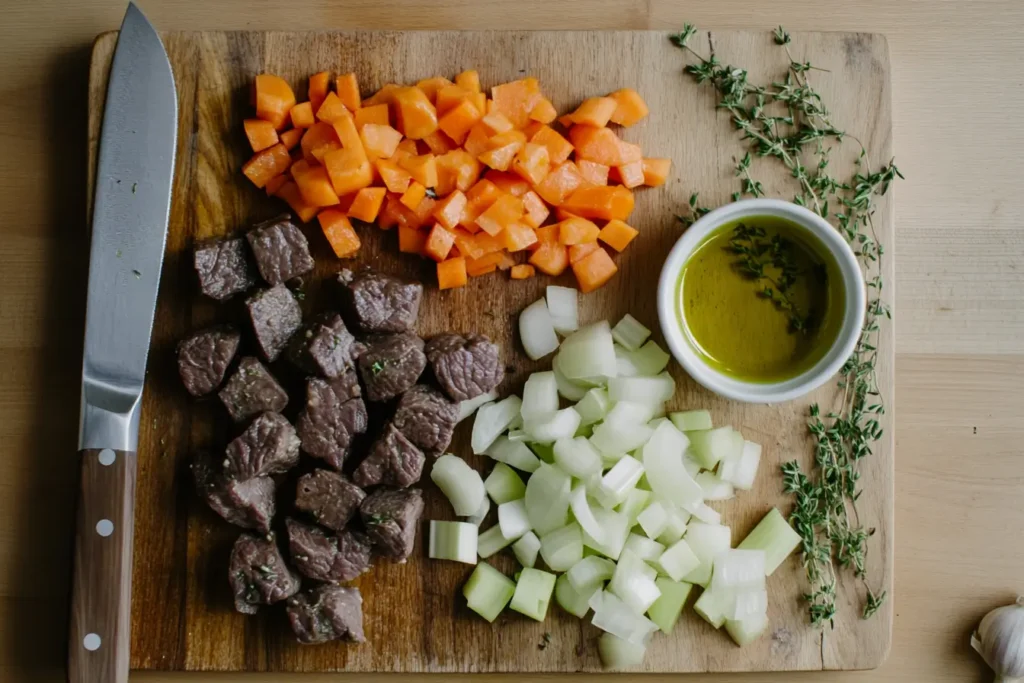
x=958 y=94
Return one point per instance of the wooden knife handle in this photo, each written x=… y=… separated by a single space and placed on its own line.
x=102 y=583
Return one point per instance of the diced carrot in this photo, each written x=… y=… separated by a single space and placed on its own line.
x=275 y=183
x=629 y=152
x=522 y=271
x=509 y=137
x=551 y=259
x=332 y=109
x=423 y=169
x=508 y=182
x=536 y=210
x=339 y=233
x=595 y=111
x=506 y=261
x=291 y=137
x=604 y=203
x=531 y=129
x=462 y=169
x=482 y=103
x=380 y=142
x=632 y=174
x=266 y=164
x=544 y=112
x=346 y=201
x=559 y=148
x=656 y=171
x=601 y=145
x=396 y=179
x=423 y=212
x=319 y=139
x=478 y=199
x=348 y=91
x=385 y=95
x=497 y=123
x=629 y=107
x=348 y=169
x=467 y=245
x=414 y=195
x=532 y=162
x=290 y=193
x=565 y=121
x=449 y=210
x=594 y=270
x=378 y=114
x=593 y=172
x=577 y=231
x=518 y=236
x=478 y=141
x=439 y=243
x=390 y=212
x=318 y=85
x=517 y=99
x=451 y=95
x=458 y=120
x=345 y=127
x=261 y=133
x=500 y=158
x=366 y=204
x=416 y=117
x=469 y=80
x=274 y=99
x=439 y=143
x=580 y=251
x=617 y=235
x=314 y=184
x=563 y=215
x=411 y=240
x=560 y=183
x=430 y=86
x=452 y=273
x=488 y=244
x=487 y=263
x=547 y=235
x=506 y=210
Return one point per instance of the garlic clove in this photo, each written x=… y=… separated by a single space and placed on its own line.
x=999 y=640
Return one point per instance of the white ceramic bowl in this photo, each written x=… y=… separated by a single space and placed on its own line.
x=671 y=315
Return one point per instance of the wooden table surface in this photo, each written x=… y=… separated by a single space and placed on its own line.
x=957 y=98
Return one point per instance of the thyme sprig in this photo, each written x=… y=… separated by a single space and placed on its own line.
x=788 y=121
x=759 y=257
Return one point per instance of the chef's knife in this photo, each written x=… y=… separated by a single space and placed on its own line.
x=129 y=230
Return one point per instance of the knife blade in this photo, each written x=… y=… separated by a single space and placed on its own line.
x=129 y=231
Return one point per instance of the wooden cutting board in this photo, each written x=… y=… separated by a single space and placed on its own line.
x=415 y=616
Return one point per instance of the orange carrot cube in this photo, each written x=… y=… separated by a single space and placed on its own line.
x=517 y=99
x=656 y=171
x=594 y=270
x=380 y=142
x=468 y=80
x=439 y=243
x=522 y=271
x=378 y=114
x=603 y=203
x=366 y=204
x=319 y=139
x=632 y=174
x=274 y=99
x=396 y=179
x=577 y=230
x=544 y=112
x=415 y=115
x=581 y=251
x=506 y=210
x=291 y=137
x=536 y=210
x=266 y=164
x=532 y=162
x=560 y=183
x=518 y=236
x=339 y=233
x=414 y=195
x=411 y=240
x=594 y=111
x=629 y=107
x=318 y=85
x=430 y=86
x=290 y=193
x=452 y=273
x=261 y=134
x=459 y=120
x=348 y=169
x=449 y=211
x=592 y=172
x=332 y=109
x=559 y=148
x=617 y=235
x=550 y=258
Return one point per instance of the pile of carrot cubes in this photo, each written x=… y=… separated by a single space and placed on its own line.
x=475 y=183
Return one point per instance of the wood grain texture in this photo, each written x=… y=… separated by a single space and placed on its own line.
x=414 y=617
x=100 y=631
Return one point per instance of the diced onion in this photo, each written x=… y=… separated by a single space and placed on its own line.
x=512 y=519
x=559 y=425
x=620 y=479
x=584 y=515
x=616 y=529
x=540 y=395
x=635 y=502
x=775 y=537
x=630 y=333
x=547 y=498
x=628 y=413
x=663 y=460
x=713 y=487
x=614 y=616
x=738 y=570
x=643 y=547
x=704 y=513
x=594 y=405
x=742 y=471
x=654 y=518
x=467 y=408
x=749 y=604
x=691 y=420
x=453 y=541
x=571 y=600
x=562 y=548
x=488 y=591
x=563 y=306
x=492 y=420
x=533 y=593
x=675 y=528
x=748 y=630
x=589 y=572
x=503 y=484
x=711 y=446
x=477 y=517
x=588 y=353
x=667 y=608
x=568 y=389
x=647 y=390
x=711 y=608
x=526 y=549
x=537 y=330
x=706 y=541
x=613 y=440
x=513 y=453
x=633 y=583
x=617 y=653
x=577 y=457
x=460 y=483
x=491 y=541
x=649 y=360
x=677 y=561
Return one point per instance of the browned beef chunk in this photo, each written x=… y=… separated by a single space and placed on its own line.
x=394 y=461
x=204 y=357
x=390 y=365
x=328 y=497
x=427 y=418
x=327 y=612
x=281 y=250
x=258 y=574
x=325 y=347
x=391 y=517
x=465 y=366
x=248 y=504
x=326 y=557
x=333 y=415
x=223 y=268
x=275 y=316
x=375 y=302
x=252 y=390
x=268 y=446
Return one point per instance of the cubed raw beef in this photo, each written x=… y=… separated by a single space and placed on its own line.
x=275 y=316
x=325 y=347
x=391 y=517
x=326 y=557
x=333 y=415
x=258 y=573
x=280 y=249
x=391 y=365
x=328 y=497
x=394 y=461
x=376 y=302
x=466 y=366
x=268 y=446
x=252 y=390
x=204 y=357
x=248 y=504
x=224 y=268
x=427 y=418
x=327 y=612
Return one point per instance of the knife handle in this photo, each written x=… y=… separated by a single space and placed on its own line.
x=102 y=582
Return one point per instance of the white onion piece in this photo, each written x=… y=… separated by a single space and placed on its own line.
x=478 y=517
x=584 y=515
x=452 y=541
x=613 y=615
x=709 y=447
x=503 y=484
x=706 y=541
x=649 y=360
x=616 y=526
x=547 y=498
x=537 y=330
x=540 y=395
x=594 y=405
x=626 y=413
x=577 y=457
x=748 y=604
x=742 y=471
x=642 y=389
x=467 y=408
x=588 y=353
x=635 y=502
x=744 y=631
x=513 y=520
x=589 y=572
x=568 y=389
x=559 y=425
x=713 y=487
x=514 y=454
x=562 y=548
x=654 y=518
x=677 y=561
x=643 y=547
x=739 y=570
x=663 y=460
x=624 y=363
x=571 y=600
x=617 y=653
x=460 y=483
x=492 y=420
x=614 y=440
x=704 y=513
x=518 y=435
x=675 y=528
x=526 y=549
x=619 y=480
x=563 y=306
x=633 y=582
x=630 y=333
